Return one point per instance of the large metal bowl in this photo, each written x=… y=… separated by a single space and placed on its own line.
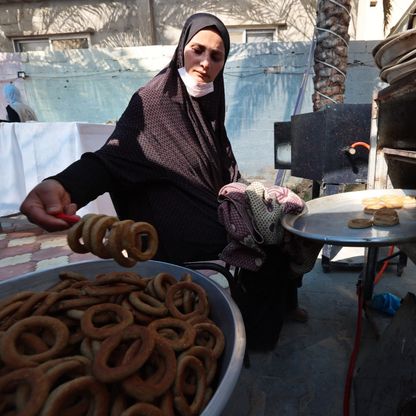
x=223 y=311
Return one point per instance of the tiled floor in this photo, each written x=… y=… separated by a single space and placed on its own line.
x=25 y=248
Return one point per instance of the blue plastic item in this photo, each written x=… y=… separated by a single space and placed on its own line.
x=386 y=302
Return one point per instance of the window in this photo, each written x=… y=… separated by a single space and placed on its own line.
x=259 y=35
x=62 y=44
x=52 y=43
x=31 y=45
x=249 y=35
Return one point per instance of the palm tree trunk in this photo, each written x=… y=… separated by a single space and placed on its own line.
x=331 y=52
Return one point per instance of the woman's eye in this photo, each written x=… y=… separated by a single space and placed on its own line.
x=216 y=58
x=198 y=50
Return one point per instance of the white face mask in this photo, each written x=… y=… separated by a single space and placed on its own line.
x=194 y=88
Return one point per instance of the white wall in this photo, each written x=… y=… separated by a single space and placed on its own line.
x=370 y=19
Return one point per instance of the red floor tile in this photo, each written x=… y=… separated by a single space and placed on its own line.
x=16 y=250
x=17 y=270
x=48 y=253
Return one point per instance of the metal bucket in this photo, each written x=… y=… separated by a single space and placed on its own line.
x=223 y=311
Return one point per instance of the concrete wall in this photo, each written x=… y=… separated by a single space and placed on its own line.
x=262 y=84
x=125 y=23
x=122 y=23
x=111 y=23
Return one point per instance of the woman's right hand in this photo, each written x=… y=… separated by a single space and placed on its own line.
x=45 y=200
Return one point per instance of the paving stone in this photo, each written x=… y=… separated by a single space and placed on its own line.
x=51 y=252
x=10 y=261
x=21 y=241
x=16 y=270
x=77 y=257
x=15 y=250
x=51 y=263
x=54 y=242
x=48 y=237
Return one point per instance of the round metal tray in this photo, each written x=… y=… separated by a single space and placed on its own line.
x=325 y=219
x=224 y=312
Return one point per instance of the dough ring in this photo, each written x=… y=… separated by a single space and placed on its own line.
x=360 y=223
x=386 y=217
x=386 y=221
x=372 y=208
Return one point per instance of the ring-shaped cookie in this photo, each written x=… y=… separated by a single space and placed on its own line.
x=186 y=364
x=116 y=246
x=216 y=334
x=161 y=283
x=133 y=243
x=38 y=388
x=206 y=356
x=201 y=307
x=131 y=362
x=186 y=332
x=75 y=233
x=98 y=231
x=66 y=392
x=360 y=223
x=131 y=278
x=9 y=348
x=154 y=386
x=92 y=331
x=87 y=228
x=142 y=409
x=148 y=304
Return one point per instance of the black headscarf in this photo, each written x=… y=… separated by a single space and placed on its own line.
x=168 y=132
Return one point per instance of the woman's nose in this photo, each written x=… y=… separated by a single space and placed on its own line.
x=205 y=62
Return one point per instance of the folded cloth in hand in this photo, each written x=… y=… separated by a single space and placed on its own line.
x=251 y=215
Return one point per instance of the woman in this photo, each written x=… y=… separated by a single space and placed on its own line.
x=17 y=111
x=167 y=158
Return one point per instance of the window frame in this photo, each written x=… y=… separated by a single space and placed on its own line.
x=242 y=31
x=272 y=31
x=17 y=40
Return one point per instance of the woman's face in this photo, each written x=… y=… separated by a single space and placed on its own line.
x=204 y=56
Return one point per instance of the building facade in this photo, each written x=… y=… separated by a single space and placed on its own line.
x=59 y=24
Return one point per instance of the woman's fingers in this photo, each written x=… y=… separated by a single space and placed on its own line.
x=44 y=201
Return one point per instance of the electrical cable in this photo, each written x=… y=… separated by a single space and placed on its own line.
x=354 y=354
x=364 y=144
x=331 y=66
x=334 y=33
x=357 y=337
x=341 y=5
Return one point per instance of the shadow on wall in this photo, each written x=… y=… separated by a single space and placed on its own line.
x=299 y=16
x=89 y=85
